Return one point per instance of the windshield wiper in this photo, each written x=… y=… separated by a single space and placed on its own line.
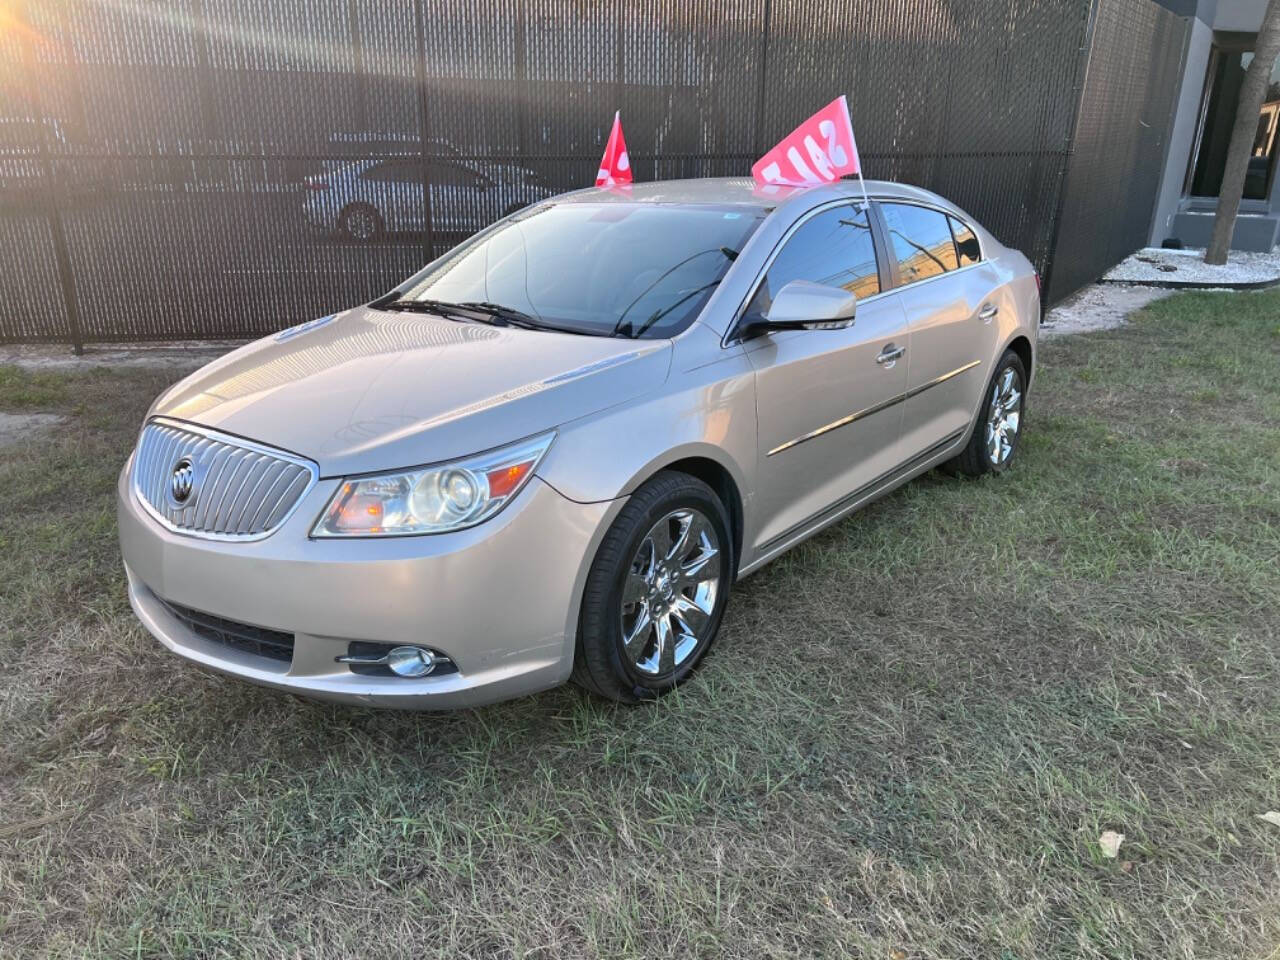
x=503 y=316
x=439 y=308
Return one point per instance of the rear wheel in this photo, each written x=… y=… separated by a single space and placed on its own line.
x=656 y=591
x=361 y=222
x=994 y=442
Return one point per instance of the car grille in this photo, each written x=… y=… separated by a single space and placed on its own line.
x=238 y=490
x=272 y=644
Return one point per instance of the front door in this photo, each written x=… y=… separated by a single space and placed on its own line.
x=827 y=401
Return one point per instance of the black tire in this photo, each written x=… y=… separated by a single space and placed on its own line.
x=975 y=460
x=361 y=222
x=600 y=665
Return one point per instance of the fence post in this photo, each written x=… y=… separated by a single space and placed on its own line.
x=1068 y=148
x=424 y=123
x=520 y=44
x=361 y=72
x=761 y=90
x=205 y=94
x=57 y=233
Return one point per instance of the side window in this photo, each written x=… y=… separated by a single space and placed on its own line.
x=443 y=173
x=394 y=171
x=966 y=243
x=920 y=240
x=833 y=247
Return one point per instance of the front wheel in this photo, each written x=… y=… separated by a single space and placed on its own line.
x=995 y=437
x=656 y=591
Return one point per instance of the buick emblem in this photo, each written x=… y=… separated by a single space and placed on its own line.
x=183 y=481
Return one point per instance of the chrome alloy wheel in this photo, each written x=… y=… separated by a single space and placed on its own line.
x=1004 y=416
x=670 y=592
x=361 y=223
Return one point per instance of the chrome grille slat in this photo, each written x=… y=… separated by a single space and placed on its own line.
x=282 y=507
x=266 y=497
x=256 y=463
x=214 y=522
x=243 y=491
x=202 y=516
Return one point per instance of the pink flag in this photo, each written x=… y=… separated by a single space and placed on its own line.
x=615 y=165
x=818 y=151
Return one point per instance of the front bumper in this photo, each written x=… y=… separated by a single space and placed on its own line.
x=500 y=599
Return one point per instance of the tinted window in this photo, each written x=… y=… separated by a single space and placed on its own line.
x=641 y=269
x=833 y=247
x=920 y=241
x=395 y=171
x=966 y=243
x=453 y=175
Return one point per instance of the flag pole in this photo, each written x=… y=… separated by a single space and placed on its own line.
x=857 y=157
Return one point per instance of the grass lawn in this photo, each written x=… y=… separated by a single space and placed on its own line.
x=906 y=744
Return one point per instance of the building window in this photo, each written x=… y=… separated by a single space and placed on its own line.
x=1227 y=67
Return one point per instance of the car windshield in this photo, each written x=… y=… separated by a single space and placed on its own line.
x=625 y=269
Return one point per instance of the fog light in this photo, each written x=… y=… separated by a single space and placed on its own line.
x=410 y=661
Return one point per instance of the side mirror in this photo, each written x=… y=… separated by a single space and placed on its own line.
x=811 y=306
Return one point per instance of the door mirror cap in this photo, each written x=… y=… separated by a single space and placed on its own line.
x=811 y=306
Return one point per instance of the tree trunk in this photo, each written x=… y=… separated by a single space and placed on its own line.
x=1252 y=92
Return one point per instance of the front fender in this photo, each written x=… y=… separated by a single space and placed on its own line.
x=706 y=412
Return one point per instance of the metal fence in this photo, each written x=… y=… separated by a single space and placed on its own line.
x=1117 y=151
x=224 y=168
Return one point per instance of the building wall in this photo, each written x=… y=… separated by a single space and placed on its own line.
x=1183 y=134
x=1174 y=215
x=1241 y=15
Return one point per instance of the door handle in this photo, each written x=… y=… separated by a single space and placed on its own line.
x=890 y=354
x=987 y=312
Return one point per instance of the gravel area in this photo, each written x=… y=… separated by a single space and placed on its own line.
x=1187 y=267
x=1097 y=307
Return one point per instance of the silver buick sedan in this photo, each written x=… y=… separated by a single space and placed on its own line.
x=552 y=452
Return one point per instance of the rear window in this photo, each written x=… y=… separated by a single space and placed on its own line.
x=634 y=269
x=920 y=240
x=967 y=245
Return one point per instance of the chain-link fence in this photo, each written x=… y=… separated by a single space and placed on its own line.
x=223 y=168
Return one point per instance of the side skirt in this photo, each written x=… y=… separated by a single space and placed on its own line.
x=877 y=488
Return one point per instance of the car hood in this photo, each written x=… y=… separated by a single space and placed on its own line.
x=370 y=390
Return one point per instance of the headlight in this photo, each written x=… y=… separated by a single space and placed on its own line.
x=448 y=496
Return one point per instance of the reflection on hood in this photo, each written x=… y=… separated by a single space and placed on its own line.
x=371 y=335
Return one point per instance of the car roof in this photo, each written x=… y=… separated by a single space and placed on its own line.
x=743 y=191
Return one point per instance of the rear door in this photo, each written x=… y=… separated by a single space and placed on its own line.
x=948 y=295
x=827 y=401
x=394 y=188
